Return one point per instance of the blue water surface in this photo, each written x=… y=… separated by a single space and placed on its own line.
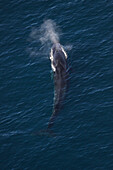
x=84 y=127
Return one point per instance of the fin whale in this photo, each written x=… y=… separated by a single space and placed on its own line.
x=58 y=59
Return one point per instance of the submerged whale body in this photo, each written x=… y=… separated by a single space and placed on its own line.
x=58 y=59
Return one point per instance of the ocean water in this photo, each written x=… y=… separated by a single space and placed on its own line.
x=84 y=126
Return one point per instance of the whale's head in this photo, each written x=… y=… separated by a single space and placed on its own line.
x=56 y=47
x=57 y=55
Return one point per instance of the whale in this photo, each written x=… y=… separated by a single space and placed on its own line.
x=58 y=58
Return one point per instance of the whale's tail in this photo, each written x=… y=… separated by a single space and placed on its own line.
x=56 y=109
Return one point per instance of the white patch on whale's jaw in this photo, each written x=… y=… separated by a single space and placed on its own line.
x=51 y=58
x=64 y=52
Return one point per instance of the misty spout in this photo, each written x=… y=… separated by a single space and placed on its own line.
x=48 y=29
